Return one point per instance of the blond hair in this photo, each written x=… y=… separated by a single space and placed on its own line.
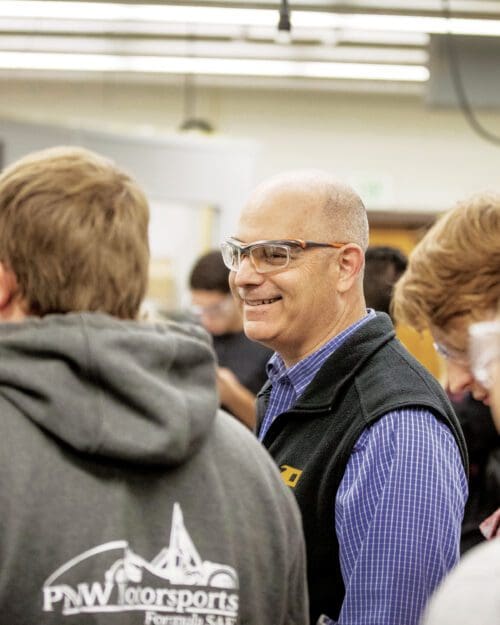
x=74 y=231
x=455 y=269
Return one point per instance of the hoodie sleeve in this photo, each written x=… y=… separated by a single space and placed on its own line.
x=298 y=612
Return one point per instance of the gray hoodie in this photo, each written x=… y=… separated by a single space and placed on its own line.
x=125 y=496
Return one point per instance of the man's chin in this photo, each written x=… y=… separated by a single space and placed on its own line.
x=256 y=331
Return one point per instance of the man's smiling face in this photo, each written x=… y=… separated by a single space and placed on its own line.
x=290 y=310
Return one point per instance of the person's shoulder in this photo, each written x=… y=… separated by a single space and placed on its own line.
x=240 y=451
x=417 y=422
x=470 y=593
x=238 y=442
x=416 y=428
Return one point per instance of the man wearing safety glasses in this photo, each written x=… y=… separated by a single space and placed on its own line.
x=363 y=435
x=452 y=287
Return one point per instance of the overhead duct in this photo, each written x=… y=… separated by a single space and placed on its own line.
x=477 y=61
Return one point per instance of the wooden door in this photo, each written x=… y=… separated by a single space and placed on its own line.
x=405 y=237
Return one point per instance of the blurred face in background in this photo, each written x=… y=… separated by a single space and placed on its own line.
x=216 y=311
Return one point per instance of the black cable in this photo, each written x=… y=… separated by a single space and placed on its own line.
x=284 y=23
x=456 y=77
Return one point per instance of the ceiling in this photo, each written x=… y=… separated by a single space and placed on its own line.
x=361 y=44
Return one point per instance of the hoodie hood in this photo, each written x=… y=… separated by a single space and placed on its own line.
x=139 y=392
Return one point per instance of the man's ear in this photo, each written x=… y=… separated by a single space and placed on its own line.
x=350 y=263
x=11 y=306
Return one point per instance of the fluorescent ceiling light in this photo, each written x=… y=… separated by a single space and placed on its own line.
x=384 y=38
x=401 y=23
x=47 y=9
x=107 y=11
x=164 y=30
x=213 y=66
x=477 y=6
x=233 y=49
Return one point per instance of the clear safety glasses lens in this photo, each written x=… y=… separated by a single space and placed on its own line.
x=484 y=348
x=265 y=257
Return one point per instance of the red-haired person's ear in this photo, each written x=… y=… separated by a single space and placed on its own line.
x=11 y=306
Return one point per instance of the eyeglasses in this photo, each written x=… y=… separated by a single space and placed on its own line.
x=461 y=358
x=484 y=350
x=266 y=256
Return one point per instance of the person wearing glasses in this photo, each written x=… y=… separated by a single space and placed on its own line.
x=470 y=594
x=363 y=435
x=484 y=349
x=241 y=370
x=384 y=266
x=452 y=282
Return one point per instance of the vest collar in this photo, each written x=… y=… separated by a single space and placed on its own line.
x=324 y=388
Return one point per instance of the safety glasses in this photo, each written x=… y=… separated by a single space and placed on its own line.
x=484 y=349
x=267 y=256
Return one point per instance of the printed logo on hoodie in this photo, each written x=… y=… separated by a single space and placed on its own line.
x=177 y=587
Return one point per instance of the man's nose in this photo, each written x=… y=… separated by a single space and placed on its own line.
x=246 y=273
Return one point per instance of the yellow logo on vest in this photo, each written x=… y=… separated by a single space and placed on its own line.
x=290 y=475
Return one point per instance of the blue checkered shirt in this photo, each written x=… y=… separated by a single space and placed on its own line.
x=399 y=507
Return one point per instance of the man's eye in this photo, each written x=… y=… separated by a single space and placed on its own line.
x=274 y=254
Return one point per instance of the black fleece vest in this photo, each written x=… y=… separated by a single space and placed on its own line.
x=368 y=376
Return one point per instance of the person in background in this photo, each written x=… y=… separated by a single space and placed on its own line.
x=242 y=363
x=126 y=496
x=363 y=435
x=470 y=594
x=384 y=265
x=483 y=444
x=485 y=359
x=453 y=281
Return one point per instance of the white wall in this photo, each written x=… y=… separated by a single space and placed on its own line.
x=399 y=154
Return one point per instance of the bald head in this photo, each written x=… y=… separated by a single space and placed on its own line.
x=313 y=202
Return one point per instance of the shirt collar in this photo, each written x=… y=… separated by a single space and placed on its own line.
x=301 y=374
